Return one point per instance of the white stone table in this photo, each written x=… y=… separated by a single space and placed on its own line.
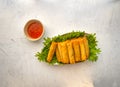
x=20 y=68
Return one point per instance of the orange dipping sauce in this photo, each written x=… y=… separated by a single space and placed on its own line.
x=35 y=30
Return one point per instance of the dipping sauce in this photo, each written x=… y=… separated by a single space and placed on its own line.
x=35 y=30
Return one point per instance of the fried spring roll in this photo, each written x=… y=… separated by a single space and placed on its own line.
x=86 y=46
x=76 y=50
x=51 y=51
x=82 y=48
x=58 y=54
x=64 y=51
x=70 y=52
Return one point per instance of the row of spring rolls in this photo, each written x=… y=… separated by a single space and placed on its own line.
x=70 y=51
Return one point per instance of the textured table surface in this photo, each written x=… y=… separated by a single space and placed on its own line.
x=20 y=68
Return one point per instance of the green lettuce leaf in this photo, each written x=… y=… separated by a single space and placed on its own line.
x=94 y=50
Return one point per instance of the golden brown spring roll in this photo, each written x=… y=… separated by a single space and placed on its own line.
x=82 y=48
x=64 y=51
x=70 y=53
x=58 y=54
x=51 y=51
x=86 y=46
x=76 y=50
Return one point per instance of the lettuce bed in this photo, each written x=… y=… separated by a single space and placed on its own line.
x=94 y=50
